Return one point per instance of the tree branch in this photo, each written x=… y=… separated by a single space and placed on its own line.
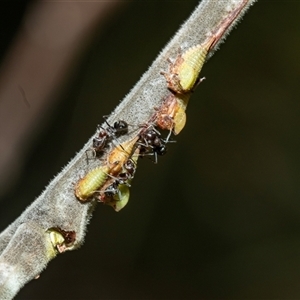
x=43 y=229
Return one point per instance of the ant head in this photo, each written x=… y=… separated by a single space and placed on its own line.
x=120 y=127
x=123 y=177
x=150 y=135
x=130 y=166
x=160 y=150
x=111 y=189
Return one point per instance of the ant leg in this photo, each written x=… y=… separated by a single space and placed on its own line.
x=107 y=123
x=156 y=130
x=169 y=135
x=93 y=156
x=155 y=155
x=198 y=81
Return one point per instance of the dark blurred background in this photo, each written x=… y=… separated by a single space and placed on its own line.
x=219 y=216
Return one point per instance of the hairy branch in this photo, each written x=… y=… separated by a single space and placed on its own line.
x=56 y=215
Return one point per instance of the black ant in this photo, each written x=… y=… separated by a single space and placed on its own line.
x=116 y=193
x=123 y=178
x=151 y=142
x=105 y=135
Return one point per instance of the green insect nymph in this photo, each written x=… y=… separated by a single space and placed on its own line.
x=184 y=72
x=61 y=240
x=91 y=182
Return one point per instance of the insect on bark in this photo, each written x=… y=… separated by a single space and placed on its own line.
x=61 y=239
x=119 y=198
x=115 y=192
x=171 y=115
x=105 y=135
x=151 y=142
x=91 y=183
x=119 y=155
x=184 y=72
